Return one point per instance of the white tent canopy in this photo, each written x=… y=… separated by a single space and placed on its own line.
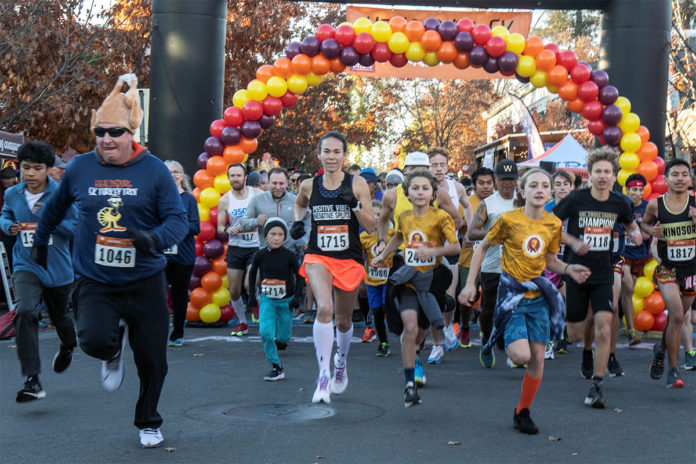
x=566 y=154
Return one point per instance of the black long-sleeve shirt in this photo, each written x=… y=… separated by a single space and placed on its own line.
x=279 y=271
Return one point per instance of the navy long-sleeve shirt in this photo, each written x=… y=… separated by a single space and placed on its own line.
x=184 y=252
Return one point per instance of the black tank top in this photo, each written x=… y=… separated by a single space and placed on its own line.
x=677 y=247
x=335 y=229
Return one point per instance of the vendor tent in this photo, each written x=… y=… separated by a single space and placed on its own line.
x=567 y=154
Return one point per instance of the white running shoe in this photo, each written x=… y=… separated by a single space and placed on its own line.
x=512 y=365
x=451 y=340
x=339 y=381
x=112 y=371
x=150 y=438
x=322 y=393
x=436 y=355
x=548 y=351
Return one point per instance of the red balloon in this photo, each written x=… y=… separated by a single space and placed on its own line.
x=553 y=47
x=592 y=110
x=252 y=110
x=272 y=105
x=207 y=231
x=233 y=116
x=213 y=215
x=596 y=127
x=647 y=169
x=345 y=35
x=325 y=31
x=199 y=248
x=364 y=43
x=481 y=34
x=567 y=59
x=398 y=60
x=226 y=313
x=660 y=321
x=465 y=25
x=660 y=163
x=495 y=46
x=588 y=90
x=659 y=185
x=289 y=99
x=216 y=127
x=381 y=52
x=580 y=73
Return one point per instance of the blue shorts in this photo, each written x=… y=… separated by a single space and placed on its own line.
x=376 y=295
x=530 y=321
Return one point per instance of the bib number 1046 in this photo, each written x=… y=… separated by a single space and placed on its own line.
x=114 y=252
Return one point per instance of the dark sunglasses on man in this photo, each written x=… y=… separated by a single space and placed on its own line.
x=114 y=132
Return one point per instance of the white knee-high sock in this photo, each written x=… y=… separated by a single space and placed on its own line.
x=342 y=346
x=323 y=335
x=239 y=310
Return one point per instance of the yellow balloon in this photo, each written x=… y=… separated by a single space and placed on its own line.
x=637 y=303
x=631 y=142
x=256 y=90
x=362 y=25
x=381 y=31
x=629 y=161
x=239 y=98
x=276 y=86
x=313 y=79
x=431 y=59
x=538 y=79
x=629 y=123
x=649 y=269
x=643 y=287
x=221 y=297
x=623 y=103
x=552 y=88
x=398 y=43
x=225 y=281
x=500 y=31
x=516 y=43
x=623 y=175
x=210 y=313
x=526 y=66
x=415 y=52
x=297 y=84
x=209 y=197
x=203 y=213
x=221 y=183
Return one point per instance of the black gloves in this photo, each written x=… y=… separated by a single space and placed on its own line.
x=145 y=242
x=296 y=301
x=39 y=253
x=346 y=194
x=297 y=230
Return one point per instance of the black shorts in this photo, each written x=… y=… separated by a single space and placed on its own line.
x=683 y=276
x=240 y=257
x=579 y=297
x=409 y=300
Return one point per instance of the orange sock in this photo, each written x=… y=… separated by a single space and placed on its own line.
x=529 y=389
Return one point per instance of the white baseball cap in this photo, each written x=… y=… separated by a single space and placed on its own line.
x=417 y=158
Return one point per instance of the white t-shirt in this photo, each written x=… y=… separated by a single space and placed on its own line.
x=32 y=198
x=495 y=207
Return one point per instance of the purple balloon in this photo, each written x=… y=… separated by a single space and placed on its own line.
x=611 y=115
x=201 y=266
x=330 y=48
x=266 y=121
x=491 y=65
x=194 y=283
x=251 y=129
x=202 y=160
x=463 y=41
x=230 y=135
x=349 y=56
x=447 y=30
x=608 y=94
x=310 y=45
x=478 y=56
x=366 y=60
x=213 y=248
x=507 y=62
x=431 y=24
x=293 y=49
x=599 y=77
x=522 y=79
x=213 y=146
x=612 y=135
x=223 y=237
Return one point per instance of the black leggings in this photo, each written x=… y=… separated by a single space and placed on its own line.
x=489 y=295
x=178 y=276
x=378 y=320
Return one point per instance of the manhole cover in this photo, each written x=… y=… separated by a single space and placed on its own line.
x=282 y=412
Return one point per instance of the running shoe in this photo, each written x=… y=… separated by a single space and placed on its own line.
x=674 y=380
x=465 y=338
x=339 y=381
x=322 y=393
x=690 y=360
x=369 y=335
x=418 y=374
x=436 y=355
x=280 y=345
x=587 y=365
x=411 y=397
x=487 y=358
x=614 y=367
x=241 y=329
x=524 y=423
x=275 y=374
x=548 y=352
x=512 y=365
x=456 y=327
x=595 y=398
x=112 y=371
x=176 y=343
x=451 y=341
x=633 y=338
x=383 y=350
x=658 y=364
x=561 y=346
x=255 y=314
x=62 y=359
x=32 y=390
x=150 y=438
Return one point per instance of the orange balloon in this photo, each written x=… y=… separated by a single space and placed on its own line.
x=196 y=193
x=216 y=166
x=199 y=297
x=282 y=68
x=264 y=73
x=202 y=179
x=192 y=314
x=647 y=191
x=533 y=46
x=447 y=52
x=576 y=105
x=557 y=76
x=647 y=169
x=643 y=320
x=320 y=65
x=397 y=24
x=337 y=65
x=211 y=281
x=431 y=40
x=233 y=154
x=414 y=31
x=301 y=64
x=546 y=60
x=219 y=265
x=462 y=60
x=647 y=152
x=248 y=145
x=644 y=134
x=568 y=91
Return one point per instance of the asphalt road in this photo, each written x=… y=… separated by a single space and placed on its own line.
x=217 y=408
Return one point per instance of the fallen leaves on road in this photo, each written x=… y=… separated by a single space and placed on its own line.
x=169 y=450
x=552 y=438
x=197 y=355
x=454 y=443
x=617 y=410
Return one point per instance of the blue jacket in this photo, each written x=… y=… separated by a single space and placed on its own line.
x=112 y=200
x=16 y=211
x=186 y=249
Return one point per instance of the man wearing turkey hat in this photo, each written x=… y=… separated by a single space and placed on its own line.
x=129 y=211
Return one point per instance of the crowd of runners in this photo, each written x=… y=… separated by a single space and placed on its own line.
x=537 y=260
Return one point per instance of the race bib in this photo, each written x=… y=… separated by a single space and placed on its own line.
x=681 y=250
x=114 y=252
x=411 y=258
x=26 y=234
x=598 y=238
x=173 y=250
x=379 y=272
x=332 y=238
x=629 y=241
x=250 y=235
x=273 y=288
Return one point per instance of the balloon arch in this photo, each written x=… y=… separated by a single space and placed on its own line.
x=398 y=42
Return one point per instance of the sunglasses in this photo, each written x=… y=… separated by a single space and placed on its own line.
x=114 y=132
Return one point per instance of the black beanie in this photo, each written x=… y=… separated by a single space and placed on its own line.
x=274 y=222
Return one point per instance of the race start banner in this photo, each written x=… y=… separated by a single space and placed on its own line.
x=514 y=21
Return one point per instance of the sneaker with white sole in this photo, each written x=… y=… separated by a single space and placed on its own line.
x=436 y=355
x=451 y=340
x=150 y=438
x=32 y=390
x=275 y=374
x=339 y=381
x=322 y=393
x=549 y=352
x=419 y=375
x=112 y=370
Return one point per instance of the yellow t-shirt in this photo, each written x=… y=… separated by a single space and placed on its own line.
x=468 y=247
x=402 y=205
x=430 y=230
x=525 y=244
x=375 y=275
